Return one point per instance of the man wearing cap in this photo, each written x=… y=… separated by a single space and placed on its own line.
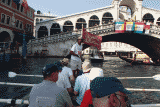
x=76 y=56
x=65 y=75
x=108 y=92
x=87 y=99
x=47 y=93
x=82 y=83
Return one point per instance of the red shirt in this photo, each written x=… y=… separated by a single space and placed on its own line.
x=87 y=99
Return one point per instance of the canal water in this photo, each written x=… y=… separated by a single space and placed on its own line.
x=113 y=67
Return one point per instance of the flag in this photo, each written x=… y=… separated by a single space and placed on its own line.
x=91 y=39
x=129 y=26
x=147 y=28
x=25 y=4
x=119 y=27
x=139 y=27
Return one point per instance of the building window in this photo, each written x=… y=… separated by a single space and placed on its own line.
x=9 y=2
x=17 y=23
x=3 y=18
x=21 y=8
x=18 y=5
x=21 y=25
x=3 y=1
x=8 y=19
x=30 y=28
x=31 y=13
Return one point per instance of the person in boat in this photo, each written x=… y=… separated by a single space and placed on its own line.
x=82 y=83
x=87 y=99
x=110 y=94
x=47 y=93
x=65 y=76
x=76 y=54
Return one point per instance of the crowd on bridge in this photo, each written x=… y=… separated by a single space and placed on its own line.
x=77 y=85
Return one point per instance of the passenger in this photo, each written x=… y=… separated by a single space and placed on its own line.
x=47 y=93
x=108 y=92
x=87 y=99
x=76 y=61
x=82 y=83
x=65 y=76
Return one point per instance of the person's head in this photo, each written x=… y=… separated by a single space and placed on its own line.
x=108 y=91
x=86 y=66
x=65 y=61
x=95 y=72
x=80 y=40
x=51 y=71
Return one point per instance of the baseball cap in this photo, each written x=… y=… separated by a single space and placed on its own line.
x=50 y=68
x=104 y=86
x=95 y=72
x=86 y=66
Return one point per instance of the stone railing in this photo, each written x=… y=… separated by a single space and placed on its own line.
x=97 y=30
x=69 y=35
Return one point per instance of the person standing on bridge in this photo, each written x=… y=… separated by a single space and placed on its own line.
x=76 y=54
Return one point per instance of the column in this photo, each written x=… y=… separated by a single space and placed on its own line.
x=139 y=10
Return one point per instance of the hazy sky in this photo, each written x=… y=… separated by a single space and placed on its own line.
x=67 y=7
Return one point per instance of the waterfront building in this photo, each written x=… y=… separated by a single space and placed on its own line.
x=14 y=21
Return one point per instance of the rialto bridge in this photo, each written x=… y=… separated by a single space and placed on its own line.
x=100 y=16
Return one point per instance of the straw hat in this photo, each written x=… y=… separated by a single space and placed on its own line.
x=86 y=66
x=65 y=61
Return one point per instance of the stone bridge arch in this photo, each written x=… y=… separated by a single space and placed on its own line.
x=148 y=44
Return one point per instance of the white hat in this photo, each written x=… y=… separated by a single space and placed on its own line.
x=65 y=60
x=95 y=72
x=86 y=66
x=80 y=37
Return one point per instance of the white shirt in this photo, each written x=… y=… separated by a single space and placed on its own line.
x=63 y=77
x=75 y=48
x=81 y=85
x=48 y=94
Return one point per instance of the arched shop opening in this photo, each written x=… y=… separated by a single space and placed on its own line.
x=42 y=31
x=68 y=26
x=158 y=21
x=79 y=23
x=94 y=20
x=55 y=29
x=106 y=18
x=4 y=37
x=148 y=17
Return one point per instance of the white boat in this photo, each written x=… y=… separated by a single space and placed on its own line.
x=96 y=59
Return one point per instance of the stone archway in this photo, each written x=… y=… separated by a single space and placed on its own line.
x=148 y=17
x=158 y=21
x=121 y=16
x=68 y=26
x=4 y=37
x=79 y=23
x=94 y=20
x=55 y=29
x=42 y=31
x=107 y=17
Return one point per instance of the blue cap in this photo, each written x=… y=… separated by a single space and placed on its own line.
x=50 y=68
x=104 y=86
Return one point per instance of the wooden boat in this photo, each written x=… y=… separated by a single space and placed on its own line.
x=136 y=62
x=96 y=59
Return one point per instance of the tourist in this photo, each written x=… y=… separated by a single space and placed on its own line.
x=47 y=93
x=76 y=61
x=87 y=99
x=108 y=92
x=82 y=83
x=65 y=76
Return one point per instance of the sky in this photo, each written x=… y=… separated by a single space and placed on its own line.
x=68 y=7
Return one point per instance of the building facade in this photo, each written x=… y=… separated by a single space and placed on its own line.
x=14 y=21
